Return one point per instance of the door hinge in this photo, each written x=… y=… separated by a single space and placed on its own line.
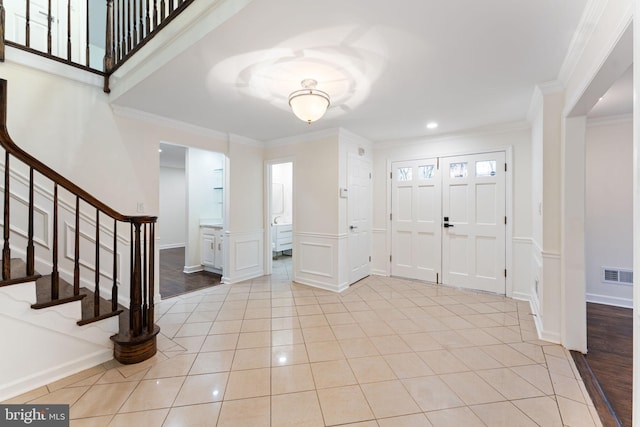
x=505 y=167
x=437 y=278
x=391 y=217
x=505 y=220
x=390 y=175
x=390 y=257
x=369 y=258
x=438 y=163
x=369 y=175
x=505 y=272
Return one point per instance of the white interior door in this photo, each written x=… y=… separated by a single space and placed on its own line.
x=473 y=211
x=359 y=216
x=415 y=219
x=16 y=19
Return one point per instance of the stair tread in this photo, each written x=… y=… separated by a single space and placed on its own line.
x=18 y=273
x=43 y=296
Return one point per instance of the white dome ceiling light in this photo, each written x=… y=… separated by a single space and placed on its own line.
x=309 y=104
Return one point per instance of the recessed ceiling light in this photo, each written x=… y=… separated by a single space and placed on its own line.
x=432 y=125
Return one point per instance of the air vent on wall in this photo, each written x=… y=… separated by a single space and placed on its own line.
x=617 y=276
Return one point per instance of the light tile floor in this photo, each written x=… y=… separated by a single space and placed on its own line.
x=386 y=352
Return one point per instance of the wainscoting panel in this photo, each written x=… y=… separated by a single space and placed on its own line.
x=317 y=262
x=550 y=297
x=522 y=268
x=19 y=208
x=87 y=251
x=380 y=252
x=43 y=232
x=316 y=259
x=245 y=256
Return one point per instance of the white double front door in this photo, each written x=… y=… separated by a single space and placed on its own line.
x=448 y=221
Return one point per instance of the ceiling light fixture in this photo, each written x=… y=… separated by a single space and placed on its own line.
x=309 y=104
x=432 y=125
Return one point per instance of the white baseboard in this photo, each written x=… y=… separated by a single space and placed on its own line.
x=521 y=296
x=171 y=246
x=39 y=379
x=379 y=272
x=228 y=280
x=607 y=300
x=192 y=268
x=321 y=285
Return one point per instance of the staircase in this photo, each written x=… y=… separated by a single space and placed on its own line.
x=77 y=285
x=78 y=278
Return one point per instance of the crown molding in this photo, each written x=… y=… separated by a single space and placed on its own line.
x=243 y=140
x=354 y=137
x=609 y=120
x=551 y=88
x=588 y=23
x=537 y=98
x=132 y=113
x=303 y=138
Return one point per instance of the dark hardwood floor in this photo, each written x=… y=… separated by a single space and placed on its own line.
x=174 y=282
x=607 y=368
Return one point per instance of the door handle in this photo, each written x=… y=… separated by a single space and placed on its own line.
x=447 y=225
x=352 y=227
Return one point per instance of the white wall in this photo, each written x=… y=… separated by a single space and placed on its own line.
x=316 y=234
x=544 y=285
x=609 y=208
x=516 y=136
x=172 y=223
x=244 y=217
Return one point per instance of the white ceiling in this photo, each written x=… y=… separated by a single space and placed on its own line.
x=389 y=66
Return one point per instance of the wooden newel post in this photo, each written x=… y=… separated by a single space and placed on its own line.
x=135 y=306
x=108 y=46
x=152 y=263
x=139 y=342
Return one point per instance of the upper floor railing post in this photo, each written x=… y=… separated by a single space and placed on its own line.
x=108 y=45
x=2 y=13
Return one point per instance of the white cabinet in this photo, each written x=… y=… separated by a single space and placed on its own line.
x=282 y=236
x=217 y=251
x=211 y=251
x=208 y=251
